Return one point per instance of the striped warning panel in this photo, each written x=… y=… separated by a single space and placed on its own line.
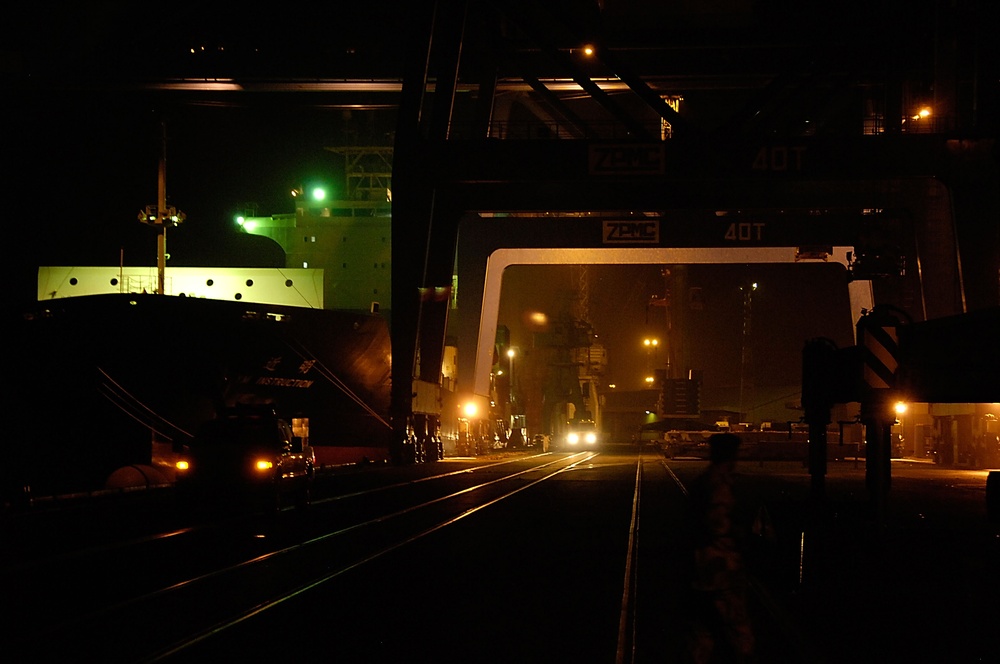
x=881 y=356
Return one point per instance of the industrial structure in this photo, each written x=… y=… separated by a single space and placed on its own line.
x=585 y=133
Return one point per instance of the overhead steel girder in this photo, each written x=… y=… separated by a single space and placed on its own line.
x=533 y=23
x=640 y=162
x=951 y=360
x=698 y=221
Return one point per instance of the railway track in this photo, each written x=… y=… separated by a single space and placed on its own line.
x=160 y=596
x=527 y=558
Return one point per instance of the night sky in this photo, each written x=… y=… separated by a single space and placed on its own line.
x=84 y=176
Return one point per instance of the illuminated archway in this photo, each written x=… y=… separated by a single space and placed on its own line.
x=860 y=292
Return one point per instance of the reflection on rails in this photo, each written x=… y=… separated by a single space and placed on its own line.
x=241 y=585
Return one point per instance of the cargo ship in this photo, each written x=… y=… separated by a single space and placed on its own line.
x=117 y=367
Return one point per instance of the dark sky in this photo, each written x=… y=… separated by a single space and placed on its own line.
x=81 y=177
x=81 y=140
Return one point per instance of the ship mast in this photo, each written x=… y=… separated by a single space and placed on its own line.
x=161 y=216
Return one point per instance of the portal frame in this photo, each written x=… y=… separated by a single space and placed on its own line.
x=860 y=291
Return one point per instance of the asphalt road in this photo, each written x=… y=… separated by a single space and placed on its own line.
x=543 y=575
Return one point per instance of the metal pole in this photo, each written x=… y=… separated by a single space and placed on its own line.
x=161 y=206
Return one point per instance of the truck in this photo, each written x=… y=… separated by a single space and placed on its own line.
x=579 y=434
x=247 y=457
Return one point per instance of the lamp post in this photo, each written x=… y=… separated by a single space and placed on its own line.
x=510 y=364
x=161 y=217
x=746 y=349
x=651 y=345
x=900 y=408
x=517 y=414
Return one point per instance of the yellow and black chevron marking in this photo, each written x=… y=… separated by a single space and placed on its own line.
x=880 y=355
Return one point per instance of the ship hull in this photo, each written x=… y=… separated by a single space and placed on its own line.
x=106 y=381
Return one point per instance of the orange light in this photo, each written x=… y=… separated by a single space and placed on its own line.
x=264 y=464
x=182 y=465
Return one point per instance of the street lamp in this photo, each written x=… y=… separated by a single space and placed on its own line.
x=511 y=352
x=651 y=344
x=510 y=362
x=746 y=350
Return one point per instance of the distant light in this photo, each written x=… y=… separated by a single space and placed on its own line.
x=510 y=352
x=536 y=318
x=900 y=407
x=470 y=410
x=319 y=194
x=588 y=50
x=240 y=220
x=305 y=264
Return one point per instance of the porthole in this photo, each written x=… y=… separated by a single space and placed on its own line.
x=288 y=283
x=249 y=283
x=239 y=296
x=210 y=282
x=73 y=281
x=114 y=282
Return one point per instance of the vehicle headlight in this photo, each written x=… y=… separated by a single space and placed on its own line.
x=572 y=438
x=591 y=438
x=263 y=465
x=182 y=465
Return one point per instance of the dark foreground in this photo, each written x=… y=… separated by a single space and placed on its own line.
x=535 y=577
x=841 y=582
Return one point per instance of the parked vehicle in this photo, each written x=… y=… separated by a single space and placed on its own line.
x=247 y=455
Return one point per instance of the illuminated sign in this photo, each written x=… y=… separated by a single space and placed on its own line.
x=274 y=381
x=626 y=159
x=646 y=231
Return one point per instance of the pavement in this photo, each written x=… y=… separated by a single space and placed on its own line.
x=917 y=582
